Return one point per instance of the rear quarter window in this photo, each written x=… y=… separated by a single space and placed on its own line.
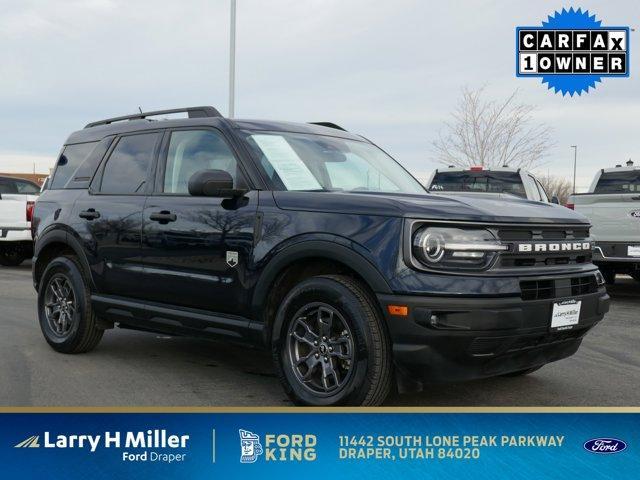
x=71 y=160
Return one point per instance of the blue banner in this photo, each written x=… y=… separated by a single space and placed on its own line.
x=333 y=444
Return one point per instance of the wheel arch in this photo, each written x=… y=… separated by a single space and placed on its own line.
x=303 y=260
x=53 y=244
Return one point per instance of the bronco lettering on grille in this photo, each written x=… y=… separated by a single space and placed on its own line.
x=554 y=247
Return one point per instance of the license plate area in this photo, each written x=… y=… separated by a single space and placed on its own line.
x=565 y=315
x=633 y=251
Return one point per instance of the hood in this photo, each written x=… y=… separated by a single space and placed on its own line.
x=503 y=209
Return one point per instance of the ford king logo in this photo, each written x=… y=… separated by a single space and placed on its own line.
x=605 y=445
x=543 y=247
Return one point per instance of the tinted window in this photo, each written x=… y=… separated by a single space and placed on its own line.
x=128 y=165
x=8 y=185
x=193 y=150
x=27 y=188
x=492 y=182
x=73 y=156
x=619 y=182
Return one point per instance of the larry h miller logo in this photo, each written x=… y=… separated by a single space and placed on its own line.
x=605 y=445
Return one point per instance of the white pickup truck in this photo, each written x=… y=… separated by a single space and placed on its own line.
x=17 y=198
x=613 y=206
x=496 y=182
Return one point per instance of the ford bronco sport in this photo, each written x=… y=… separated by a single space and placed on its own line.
x=312 y=242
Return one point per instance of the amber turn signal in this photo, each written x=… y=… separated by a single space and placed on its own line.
x=398 y=310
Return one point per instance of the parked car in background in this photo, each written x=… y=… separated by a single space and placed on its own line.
x=489 y=181
x=17 y=198
x=613 y=206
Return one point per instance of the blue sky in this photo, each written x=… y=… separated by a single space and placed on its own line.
x=390 y=70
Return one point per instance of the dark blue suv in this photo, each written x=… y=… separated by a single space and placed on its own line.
x=312 y=242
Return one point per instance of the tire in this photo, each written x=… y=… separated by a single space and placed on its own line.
x=609 y=276
x=351 y=362
x=11 y=257
x=521 y=373
x=76 y=331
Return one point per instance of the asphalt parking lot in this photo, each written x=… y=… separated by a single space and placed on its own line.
x=141 y=369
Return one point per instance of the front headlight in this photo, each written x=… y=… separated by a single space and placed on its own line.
x=455 y=248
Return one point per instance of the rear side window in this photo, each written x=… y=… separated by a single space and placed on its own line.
x=128 y=165
x=619 y=182
x=491 y=182
x=7 y=186
x=27 y=188
x=72 y=157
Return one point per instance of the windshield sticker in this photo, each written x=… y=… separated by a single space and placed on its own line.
x=292 y=170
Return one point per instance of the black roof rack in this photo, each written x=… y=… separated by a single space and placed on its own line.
x=193 y=112
x=329 y=125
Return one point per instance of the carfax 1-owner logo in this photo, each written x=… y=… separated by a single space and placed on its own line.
x=572 y=51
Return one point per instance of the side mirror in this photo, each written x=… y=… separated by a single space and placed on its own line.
x=555 y=200
x=213 y=183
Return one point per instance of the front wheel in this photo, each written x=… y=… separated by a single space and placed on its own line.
x=330 y=346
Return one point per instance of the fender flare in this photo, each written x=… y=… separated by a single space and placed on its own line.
x=61 y=236
x=317 y=249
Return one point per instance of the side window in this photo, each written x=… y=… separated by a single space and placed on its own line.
x=193 y=150
x=27 y=188
x=535 y=191
x=127 y=167
x=7 y=186
x=543 y=193
x=72 y=157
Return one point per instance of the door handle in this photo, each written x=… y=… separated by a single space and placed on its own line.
x=90 y=214
x=163 y=217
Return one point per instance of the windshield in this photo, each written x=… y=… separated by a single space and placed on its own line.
x=296 y=161
x=486 y=181
x=619 y=182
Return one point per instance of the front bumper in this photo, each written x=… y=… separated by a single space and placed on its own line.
x=449 y=339
x=615 y=253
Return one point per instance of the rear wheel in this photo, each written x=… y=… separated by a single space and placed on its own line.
x=330 y=346
x=11 y=256
x=64 y=308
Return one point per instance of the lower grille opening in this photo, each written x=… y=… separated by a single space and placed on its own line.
x=548 y=289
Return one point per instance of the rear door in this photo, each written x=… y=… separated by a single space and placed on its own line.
x=196 y=249
x=108 y=216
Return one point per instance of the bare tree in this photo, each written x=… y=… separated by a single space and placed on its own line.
x=492 y=133
x=558 y=186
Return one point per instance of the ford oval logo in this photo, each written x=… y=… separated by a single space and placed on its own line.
x=605 y=445
x=635 y=213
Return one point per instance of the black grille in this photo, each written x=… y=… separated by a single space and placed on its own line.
x=522 y=234
x=515 y=259
x=557 y=288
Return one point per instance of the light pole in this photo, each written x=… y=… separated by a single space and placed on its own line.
x=575 y=161
x=232 y=60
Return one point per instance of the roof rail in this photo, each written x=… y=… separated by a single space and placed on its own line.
x=193 y=112
x=329 y=125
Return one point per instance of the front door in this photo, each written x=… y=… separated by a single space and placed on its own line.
x=195 y=249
